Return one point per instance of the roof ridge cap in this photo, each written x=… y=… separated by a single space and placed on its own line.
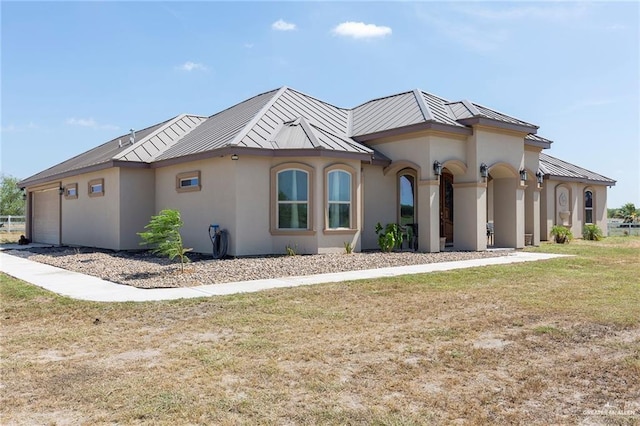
x=475 y=104
x=471 y=107
x=247 y=127
x=306 y=128
x=422 y=104
x=348 y=139
x=381 y=98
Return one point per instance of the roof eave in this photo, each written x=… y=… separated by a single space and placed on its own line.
x=580 y=179
x=262 y=152
x=82 y=170
x=539 y=144
x=490 y=122
x=430 y=125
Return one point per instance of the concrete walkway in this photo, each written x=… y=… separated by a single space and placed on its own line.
x=85 y=287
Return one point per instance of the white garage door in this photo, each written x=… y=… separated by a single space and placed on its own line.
x=46 y=217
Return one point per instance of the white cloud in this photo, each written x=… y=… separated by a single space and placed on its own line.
x=190 y=66
x=361 y=30
x=90 y=122
x=248 y=45
x=281 y=25
x=9 y=129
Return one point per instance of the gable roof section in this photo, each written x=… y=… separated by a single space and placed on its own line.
x=562 y=170
x=161 y=139
x=469 y=113
x=283 y=120
x=220 y=129
x=93 y=158
x=278 y=120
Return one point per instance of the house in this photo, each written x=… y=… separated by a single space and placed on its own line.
x=286 y=169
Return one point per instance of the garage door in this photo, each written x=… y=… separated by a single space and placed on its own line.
x=46 y=217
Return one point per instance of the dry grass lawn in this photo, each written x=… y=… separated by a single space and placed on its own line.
x=553 y=342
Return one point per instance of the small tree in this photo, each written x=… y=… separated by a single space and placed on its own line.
x=628 y=212
x=164 y=234
x=11 y=200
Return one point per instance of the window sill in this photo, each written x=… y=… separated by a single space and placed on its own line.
x=189 y=189
x=339 y=231
x=292 y=232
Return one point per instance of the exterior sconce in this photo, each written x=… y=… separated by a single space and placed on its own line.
x=24 y=194
x=484 y=171
x=234 y=157
x=539 y=177
x=61 y=190
x=523 y=175
x=437 y=168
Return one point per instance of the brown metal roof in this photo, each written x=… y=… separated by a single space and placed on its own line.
x=562 y=170
x=98 y=155
x=286 y=119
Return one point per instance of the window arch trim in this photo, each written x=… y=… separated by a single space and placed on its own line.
x=274 y=228
x=353 y=210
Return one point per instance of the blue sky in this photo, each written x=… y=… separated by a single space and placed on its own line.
x=76 y=74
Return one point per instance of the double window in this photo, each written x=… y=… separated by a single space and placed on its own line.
x=293 y=193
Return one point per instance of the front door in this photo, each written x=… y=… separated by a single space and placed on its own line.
x=446 y=206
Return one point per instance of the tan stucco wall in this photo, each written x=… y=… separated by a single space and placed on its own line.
x=549 y=212
x=380 y=203
x=137 y=205
x=92 y=221
x=214 y=203
x=236 y=195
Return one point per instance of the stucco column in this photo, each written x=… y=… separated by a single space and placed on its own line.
x=536 y=216
x=428 y=216
x=470 y=216
x=508 y=212
x=532 y=212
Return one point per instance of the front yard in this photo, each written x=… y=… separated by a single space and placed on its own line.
x=538 y=343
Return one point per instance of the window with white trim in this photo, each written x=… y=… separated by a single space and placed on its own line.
x=292 y=210
x=339 y=197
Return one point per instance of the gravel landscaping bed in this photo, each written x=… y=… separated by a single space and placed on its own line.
x=145 y=270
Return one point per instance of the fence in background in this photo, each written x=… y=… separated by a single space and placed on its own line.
x=12 y=223
x=616 y=228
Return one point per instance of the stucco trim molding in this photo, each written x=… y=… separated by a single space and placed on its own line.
x=396 y=166
x=470 y=185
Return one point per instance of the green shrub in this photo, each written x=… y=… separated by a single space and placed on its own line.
x=561 y=234
x=391 y=237
x=164 y=234
x=348 y=247
x=592 y=232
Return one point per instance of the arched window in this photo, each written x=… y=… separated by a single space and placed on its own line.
x=588 y=206
x=292 y=209
x=407 y=195
x=339 y=199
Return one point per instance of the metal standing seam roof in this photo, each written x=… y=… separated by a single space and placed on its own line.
x=220 y=129
x=258 y=122
x=95 y=156
x=554 y=167
x=161 y=139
